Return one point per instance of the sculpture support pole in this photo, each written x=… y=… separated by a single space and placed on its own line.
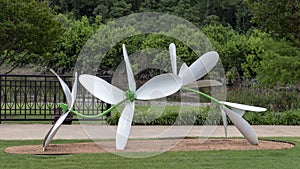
x=65 y=107
x=203 y=94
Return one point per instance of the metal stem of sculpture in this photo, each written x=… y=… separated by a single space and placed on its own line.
x=64 y=107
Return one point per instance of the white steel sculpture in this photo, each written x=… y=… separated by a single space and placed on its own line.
x=71 y=97
x=154 y=89
x=234 y=111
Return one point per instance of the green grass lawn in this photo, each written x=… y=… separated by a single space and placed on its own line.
x=287 y=158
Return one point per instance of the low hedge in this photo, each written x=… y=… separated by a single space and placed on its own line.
x=281 y=100
x=205 y=115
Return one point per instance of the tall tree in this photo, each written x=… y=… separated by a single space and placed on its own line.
x=27 y=27
x=281 y=17
x=66 y=49
x=112 y=9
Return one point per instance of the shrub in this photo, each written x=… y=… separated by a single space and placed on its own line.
x=205 y=116
x=273 y=99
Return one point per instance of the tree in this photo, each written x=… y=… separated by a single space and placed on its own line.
x=92 y=8
x=66 y=49
x=230 y=45
x=28 y=28
x=112 y=9
x=272 y=62
x=281 y=17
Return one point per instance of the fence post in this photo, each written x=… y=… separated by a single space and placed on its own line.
x=0 y=99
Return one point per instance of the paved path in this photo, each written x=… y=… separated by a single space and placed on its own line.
x=38 y=131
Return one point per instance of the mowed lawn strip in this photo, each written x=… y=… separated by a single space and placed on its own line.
x=286 y=158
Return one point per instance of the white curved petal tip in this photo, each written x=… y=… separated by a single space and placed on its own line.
x=121 y=143
x=172 y=49
x=204 y=64
x=51 y=133
x=124 y=126
x=243 y=126
x=244 y=107
x=130 y=76
x=65 y=89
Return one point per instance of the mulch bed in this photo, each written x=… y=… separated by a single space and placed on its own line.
x=150 y=146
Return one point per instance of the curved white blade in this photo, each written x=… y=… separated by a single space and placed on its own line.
x=186 y=75
x=204 y=83
x=204 y=64
x=53 y=130
x=242 y=125
x=240 y=112
x=101 y=89
x=124 y=126
x=65 y=89
x=245 y=107
x=74 y=91
x=224 y=118
x=130 y=76
x=159 y=86
x=172 y=49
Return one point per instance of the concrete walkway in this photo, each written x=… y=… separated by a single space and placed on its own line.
x=38 y=131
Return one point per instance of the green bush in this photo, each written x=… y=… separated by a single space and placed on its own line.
x=273 y=99
x=290 y=117
x=171 y=115
x=204 y=116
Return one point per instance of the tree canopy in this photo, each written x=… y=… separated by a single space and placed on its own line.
x=281 y=16
x=28 y=28
x=257 y=40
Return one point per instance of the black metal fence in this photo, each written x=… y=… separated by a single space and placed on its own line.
x=36 y=98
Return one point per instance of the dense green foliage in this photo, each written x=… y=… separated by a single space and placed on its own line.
x=233 y=12
x=248 y=54
x=281 y=17
x=286 y=158
x=258 y=41
x=176 y=115
x=280 y=99
x=65 y=50
x=28 y=29
x=255 y=55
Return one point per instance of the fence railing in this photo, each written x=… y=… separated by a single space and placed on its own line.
x=36 y=98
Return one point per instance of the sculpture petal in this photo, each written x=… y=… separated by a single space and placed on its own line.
x=159 y=86
x=204 y=64
x=101 y=89
x=51 y=133
x=124 y=126
x=240 y=112
x=224 y=118
x=242 y=125
x=65 y=89
x=130 y=76
x=186 y=75
x=244 y=107
x=74 y=91
x=172 y=49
